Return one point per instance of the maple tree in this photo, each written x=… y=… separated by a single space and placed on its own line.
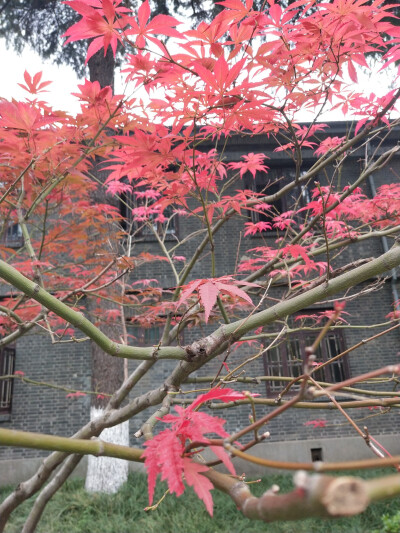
x=249 y=72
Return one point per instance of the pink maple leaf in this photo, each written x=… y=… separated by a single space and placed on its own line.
x=252 y=162
x=209 y=289
x=296 y=250
x=34 y=84
x=201 y=485
x=317 y=423
x=256 y=227
x=224 y=395
x=143 y=28
x=165 y=453
x=394 y=315
x=329 y=144
x=75 y=394
x=100 y=21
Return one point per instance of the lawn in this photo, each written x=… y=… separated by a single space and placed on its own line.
x=72 y=510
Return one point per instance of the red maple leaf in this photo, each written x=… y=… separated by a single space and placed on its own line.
x=296 y=250
x=93 y=94
x=24 y=116
x=75 y=394
x=100 y=21
x=317 y=423
x=225 y=395
x=201 y=485
x=237 y=10
x=209 y=289
x=328 y=145
x=165 y=453
x=256 y=227
x=33 y=84
x=160 y=24
x=252 y=162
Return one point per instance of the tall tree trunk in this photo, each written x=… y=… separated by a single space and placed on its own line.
x=105 y=474
x=101 y=68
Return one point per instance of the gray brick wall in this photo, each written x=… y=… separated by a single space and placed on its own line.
x=42 y=409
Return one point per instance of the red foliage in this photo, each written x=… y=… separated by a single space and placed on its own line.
x=76 y=394
x=99 y=21
x=317 y=423
x=159 y=25
x=165 y=453
x=34 y=85
x=219 y=82
x=209 y=289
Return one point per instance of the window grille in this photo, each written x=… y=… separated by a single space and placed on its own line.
x=165 y=225
x=11 y=236
x=7 y=364
x=271 y=182
x=286 y=359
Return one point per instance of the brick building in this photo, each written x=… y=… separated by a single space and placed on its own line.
x=49 y=410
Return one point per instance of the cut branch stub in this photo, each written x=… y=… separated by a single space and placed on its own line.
x=345 y=496
x=316 y=495
x=313 y=496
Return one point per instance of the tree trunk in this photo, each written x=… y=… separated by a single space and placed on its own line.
x=105 y=474
x=101 y=68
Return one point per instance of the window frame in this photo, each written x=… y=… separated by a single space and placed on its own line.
x=141 y=332
x=273 y=181
x=285 y=363
x=8 y=239
x=141 y=232
x=143 y=337
x=7 y=367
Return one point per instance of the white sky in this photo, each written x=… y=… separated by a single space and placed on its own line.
x=65 y=81
x=12 y=67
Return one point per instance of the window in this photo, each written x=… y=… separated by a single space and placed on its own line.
x=150 y=336
x=286 y=359
x=141 y=220
x=271 y=182
x=12 y=235
x=146 y=336
x=316 y=454
x=7 y=363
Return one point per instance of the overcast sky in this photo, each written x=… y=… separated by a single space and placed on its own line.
x=12 y=67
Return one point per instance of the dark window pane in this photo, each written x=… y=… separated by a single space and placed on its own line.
x=146 y=336
x=143 y=227
x=276 y=207
x=294 y=358
x=286 y=359
x=12 y=235
x=271 y=182
x=333 y=348
x=152 y=336
x=7 y=363
x=274 y=367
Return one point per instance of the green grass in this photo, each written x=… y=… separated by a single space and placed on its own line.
x=72 y=510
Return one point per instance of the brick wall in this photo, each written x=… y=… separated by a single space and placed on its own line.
x=42 y=409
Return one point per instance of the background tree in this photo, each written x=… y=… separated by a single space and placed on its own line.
x=40 y=24
x=166 y=157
